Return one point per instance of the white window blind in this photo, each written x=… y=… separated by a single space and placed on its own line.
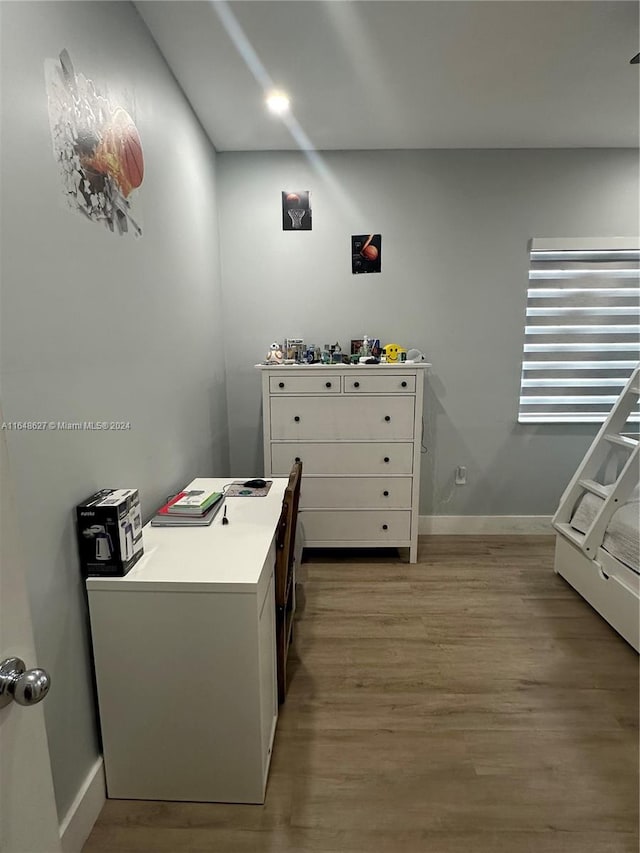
x=582 y=332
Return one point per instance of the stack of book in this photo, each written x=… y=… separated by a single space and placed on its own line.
x=195 y=508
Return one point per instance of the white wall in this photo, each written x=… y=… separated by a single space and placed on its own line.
x=96 y=326
x=455 y=227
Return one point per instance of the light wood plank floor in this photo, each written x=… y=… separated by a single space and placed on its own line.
x=472 y=703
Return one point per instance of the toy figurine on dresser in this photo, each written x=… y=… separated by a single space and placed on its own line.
x=394 y=353
x=274 y=356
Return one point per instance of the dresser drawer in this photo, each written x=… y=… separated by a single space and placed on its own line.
x=319 y=384
x=309 y=418
x=344 y=458
x=356 y=526
x=356 y=492
x=367 y=383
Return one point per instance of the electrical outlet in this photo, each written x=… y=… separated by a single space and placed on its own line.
x=461 y=475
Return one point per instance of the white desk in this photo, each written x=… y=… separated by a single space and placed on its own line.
x=184 y=650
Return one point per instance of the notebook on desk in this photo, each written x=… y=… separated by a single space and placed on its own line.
x=165 y=519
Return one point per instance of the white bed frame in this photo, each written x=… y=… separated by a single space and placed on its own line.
x=610 y=587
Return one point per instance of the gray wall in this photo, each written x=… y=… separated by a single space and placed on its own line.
x=455 y=227
x=96 y=326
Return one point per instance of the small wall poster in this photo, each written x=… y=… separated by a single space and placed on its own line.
x=296 y=210
x=366 y=253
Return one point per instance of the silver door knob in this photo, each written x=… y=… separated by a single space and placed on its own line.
x=25 y=686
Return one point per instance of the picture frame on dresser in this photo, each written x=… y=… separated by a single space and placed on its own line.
x=357 y=429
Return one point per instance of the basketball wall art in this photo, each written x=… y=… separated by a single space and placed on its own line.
x=97 y=147
x=366 y=253
x=296 y=211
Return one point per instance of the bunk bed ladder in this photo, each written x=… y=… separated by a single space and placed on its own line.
x=614 y=495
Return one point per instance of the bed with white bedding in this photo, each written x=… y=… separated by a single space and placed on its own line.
x=598 y=526
x=622 y=534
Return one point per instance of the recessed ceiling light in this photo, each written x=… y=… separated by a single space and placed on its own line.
x=277 y=102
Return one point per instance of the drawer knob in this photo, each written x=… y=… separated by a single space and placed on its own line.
x=280 y=384
x=386 y=494
x=327 y=384
x=297 y=459
x=386 y=458
x=356 y=384
x=297 y=418
x=385 y=526
x=404 y=384
x=387 y=418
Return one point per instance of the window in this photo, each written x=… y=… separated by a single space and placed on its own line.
x=582 y=332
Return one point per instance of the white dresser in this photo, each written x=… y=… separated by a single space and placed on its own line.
x=184 y=651
x=357 y=430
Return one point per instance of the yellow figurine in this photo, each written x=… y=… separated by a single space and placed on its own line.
x=394 y=353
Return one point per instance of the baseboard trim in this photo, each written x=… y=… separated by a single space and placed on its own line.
x=83 y=812
x=473 y=525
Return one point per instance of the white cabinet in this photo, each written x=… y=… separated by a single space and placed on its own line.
x=357 y=430
x=184 y=651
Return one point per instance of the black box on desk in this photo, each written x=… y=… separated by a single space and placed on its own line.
x=109 y=525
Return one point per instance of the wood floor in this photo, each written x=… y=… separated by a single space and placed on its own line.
x=472 y=703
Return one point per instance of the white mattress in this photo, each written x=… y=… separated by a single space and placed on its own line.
x=622 y=538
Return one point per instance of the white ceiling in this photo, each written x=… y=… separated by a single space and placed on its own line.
x=396 y=74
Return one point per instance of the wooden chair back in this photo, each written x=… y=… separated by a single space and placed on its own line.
x=286 y=535
x=284 y=592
